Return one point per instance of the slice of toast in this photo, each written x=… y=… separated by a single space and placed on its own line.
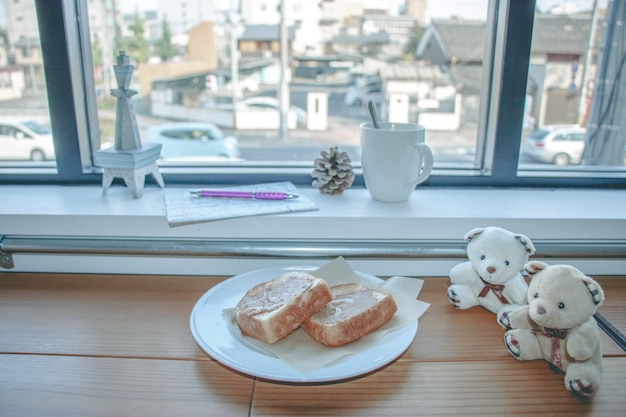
x=355 y=311
x=272 y=310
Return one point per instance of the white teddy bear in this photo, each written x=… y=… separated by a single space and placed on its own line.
x=558 y=325
x=492 y=277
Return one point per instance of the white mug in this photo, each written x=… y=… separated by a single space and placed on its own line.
x=394 y=159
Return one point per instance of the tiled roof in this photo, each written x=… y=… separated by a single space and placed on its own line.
x=561 y=34
x=463 y=40
x=555 y=34
x=468 y=78
x=413 y=71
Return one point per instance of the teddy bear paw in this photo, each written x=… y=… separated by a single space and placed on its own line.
x=512 y=345
x=504 y=318
x=580 y=387
x=454 y=298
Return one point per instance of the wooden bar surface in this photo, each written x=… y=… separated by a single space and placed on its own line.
x=120 y=345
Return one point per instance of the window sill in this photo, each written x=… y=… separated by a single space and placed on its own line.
x=561 y=215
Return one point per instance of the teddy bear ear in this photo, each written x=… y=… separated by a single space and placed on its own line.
x=473 y=233
x=533 y=267
x=597 y=294
x=530 y=248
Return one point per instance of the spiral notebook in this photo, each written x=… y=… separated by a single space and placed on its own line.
x=183 y=208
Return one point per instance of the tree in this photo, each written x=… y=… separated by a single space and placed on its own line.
x=118 y=40
x=411 y=46
x=96 y=52
x=164 y=47
x=135 y=45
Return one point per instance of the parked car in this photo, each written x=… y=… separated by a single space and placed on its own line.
x=245 y=85
x=362 y=92
x=270 y=103
x=192 y=140
x=215 y=82
x=559 y=145
x=25 y=139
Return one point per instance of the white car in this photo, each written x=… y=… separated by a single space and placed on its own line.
x=358 y=95
x=559 y=145
x=244 y=85
x=296 y=117
x=193 y=140
x=216 y=83
x=25 y=139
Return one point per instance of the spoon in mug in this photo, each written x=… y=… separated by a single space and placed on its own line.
x=373 y=114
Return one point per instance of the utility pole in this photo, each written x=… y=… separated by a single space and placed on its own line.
x=587 y=75
x=235 y=28
x=605 y=142
x=283 y=90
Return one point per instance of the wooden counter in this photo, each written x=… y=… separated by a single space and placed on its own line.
x=113 y=345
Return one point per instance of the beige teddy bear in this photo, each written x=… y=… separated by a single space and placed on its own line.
x=492 y=277
x=558 y=326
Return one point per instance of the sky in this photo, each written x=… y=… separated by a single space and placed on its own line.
x=470 y=9
x=477 y=9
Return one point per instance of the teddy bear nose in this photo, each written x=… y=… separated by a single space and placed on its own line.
x=491 y=269
x=541 y=310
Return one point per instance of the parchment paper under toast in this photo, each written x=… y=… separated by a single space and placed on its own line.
x=303 y=353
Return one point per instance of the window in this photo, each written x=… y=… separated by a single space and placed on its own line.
x=573 y=50
x=481 y=81
x=25 y=137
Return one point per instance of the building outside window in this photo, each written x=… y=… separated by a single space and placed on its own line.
x=532 y=100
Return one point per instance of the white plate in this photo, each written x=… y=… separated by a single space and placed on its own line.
x=213 y=332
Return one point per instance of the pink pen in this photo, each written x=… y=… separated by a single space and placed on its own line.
x=258 y=195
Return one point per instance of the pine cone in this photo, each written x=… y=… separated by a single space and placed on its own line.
x=333 y=172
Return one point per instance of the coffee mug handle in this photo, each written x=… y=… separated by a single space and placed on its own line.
x=427 y=164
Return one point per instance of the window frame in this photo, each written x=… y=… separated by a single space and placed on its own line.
x=510 y=38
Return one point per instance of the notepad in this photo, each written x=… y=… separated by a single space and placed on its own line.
x=184 y=208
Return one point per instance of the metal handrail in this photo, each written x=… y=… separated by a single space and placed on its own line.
x=294 y=248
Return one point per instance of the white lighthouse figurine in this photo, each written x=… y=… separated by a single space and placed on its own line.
x=128 y=158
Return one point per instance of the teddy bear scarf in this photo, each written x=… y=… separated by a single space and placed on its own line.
x=495 y=288
x=555 y=335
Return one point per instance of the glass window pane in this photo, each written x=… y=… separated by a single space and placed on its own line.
x=201 y=62
x=576 y=64
x=25 y=135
